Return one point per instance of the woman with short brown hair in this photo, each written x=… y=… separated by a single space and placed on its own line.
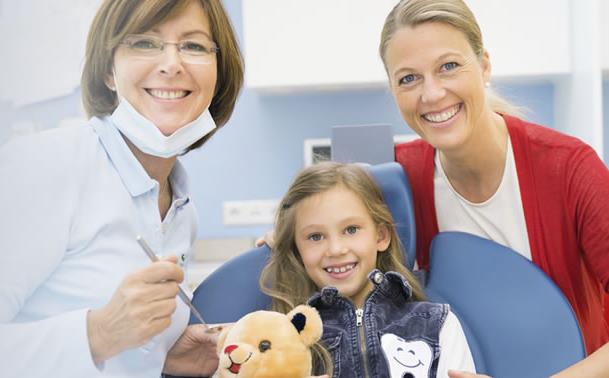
x=78 y=296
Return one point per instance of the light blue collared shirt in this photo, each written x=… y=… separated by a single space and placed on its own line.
x=72 y=202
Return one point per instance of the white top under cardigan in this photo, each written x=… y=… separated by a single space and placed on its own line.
x=500 y=218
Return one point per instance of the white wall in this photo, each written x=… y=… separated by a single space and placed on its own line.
x=42 y=44
x=579 y=97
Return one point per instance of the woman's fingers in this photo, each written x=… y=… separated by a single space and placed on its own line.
x=160 y=271
x=268 y=239
x=140 y=308
x=159 y=291
x=163 y=308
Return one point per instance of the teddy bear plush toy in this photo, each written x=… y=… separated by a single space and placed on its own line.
x=269 y=344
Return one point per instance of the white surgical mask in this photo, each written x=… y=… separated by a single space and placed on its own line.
x=149 y=139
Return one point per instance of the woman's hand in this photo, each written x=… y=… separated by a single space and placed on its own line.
x=140 y=309
x=268 y=239
x=464 y=374
x=194 y=353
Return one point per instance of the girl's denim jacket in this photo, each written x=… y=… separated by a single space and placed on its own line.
x=390 y=337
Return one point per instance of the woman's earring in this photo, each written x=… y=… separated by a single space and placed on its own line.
x=110 y=86
x=487 y=84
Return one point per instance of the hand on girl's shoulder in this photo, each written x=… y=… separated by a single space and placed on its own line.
x=268 y=239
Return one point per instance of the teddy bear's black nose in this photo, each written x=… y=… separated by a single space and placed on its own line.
x=264 y=345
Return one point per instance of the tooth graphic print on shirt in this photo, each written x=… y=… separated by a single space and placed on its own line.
x=410 y=359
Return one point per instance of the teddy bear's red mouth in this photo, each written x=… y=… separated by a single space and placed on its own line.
x=234 y=368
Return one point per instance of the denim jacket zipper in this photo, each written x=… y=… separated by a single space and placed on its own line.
x=359 y=323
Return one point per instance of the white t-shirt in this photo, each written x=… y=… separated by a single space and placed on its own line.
x=454 y=349
x=500 y=218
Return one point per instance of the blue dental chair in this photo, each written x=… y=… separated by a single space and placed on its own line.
x=517 y=322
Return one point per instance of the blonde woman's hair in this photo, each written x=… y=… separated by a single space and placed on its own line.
x=411 y=13
x=115 y=19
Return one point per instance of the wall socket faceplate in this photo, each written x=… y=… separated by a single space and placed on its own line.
x=251 y=212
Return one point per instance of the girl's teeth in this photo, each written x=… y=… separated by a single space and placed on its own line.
x=443 y=116
x=342 y=269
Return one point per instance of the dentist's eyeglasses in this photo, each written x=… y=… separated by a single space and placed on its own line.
x=192 y=51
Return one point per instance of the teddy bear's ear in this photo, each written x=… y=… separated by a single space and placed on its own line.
x=221 y=338
x=307 y=322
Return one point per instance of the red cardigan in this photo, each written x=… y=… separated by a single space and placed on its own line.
x=565 y=195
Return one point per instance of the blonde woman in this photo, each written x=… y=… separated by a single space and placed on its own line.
x=480 y=170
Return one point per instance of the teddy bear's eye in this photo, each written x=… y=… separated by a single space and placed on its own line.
x=264 y=345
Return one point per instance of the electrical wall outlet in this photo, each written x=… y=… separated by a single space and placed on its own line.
x=255 y=212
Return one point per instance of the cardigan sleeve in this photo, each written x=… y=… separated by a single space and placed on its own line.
x=587 y=191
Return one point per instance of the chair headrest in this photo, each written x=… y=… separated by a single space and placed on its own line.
x=396 y=192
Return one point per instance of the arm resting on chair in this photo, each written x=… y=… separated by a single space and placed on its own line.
x=595 y=365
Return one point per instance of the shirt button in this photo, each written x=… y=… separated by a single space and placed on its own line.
x=378 y=277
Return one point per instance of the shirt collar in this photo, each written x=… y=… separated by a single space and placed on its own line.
x=179 y=183
x=131 y=172
x=390 y=284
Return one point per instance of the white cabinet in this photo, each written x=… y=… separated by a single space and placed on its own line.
x=292 y=44
x=326 y=44
x=313 y=43
x=525 y=38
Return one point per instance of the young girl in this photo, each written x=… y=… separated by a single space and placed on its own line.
x=336 y=247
